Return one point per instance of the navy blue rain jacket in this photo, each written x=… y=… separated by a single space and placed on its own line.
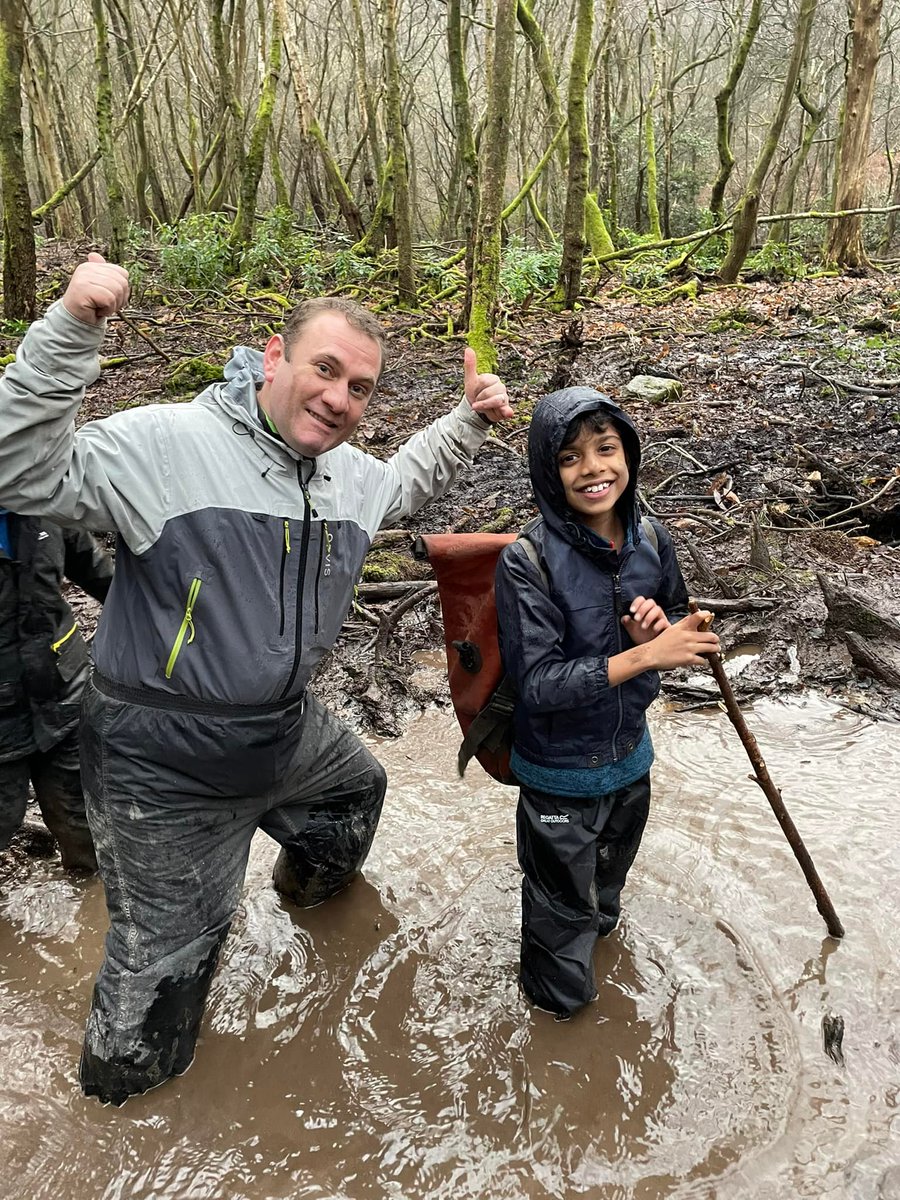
x=556 y=642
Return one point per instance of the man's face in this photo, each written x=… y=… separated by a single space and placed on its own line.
x=316 y=398
x=594 y=474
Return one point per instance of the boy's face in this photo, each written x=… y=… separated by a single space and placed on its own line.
x=594 y=474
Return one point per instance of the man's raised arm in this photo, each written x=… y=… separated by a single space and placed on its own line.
x=40 y=393
x=430 y=462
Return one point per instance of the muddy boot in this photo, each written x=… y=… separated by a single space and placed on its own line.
x=13 y=798
x=143 y=1025
x=57 y=786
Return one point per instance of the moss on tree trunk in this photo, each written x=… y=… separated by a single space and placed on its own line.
x=569 y=283
x=406 y=275
x=494 y=152
x=748 y=209
x=723 y=112
x=844 y=245
x=114 y=198
x=242 y=233
x=19 y=274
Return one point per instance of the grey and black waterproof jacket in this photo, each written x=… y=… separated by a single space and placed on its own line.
x=236 y=557
x=556 y=637
x=43 y=658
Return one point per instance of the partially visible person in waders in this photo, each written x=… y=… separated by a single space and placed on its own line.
x=44 y=668
x=243 y=521
x=584 y=631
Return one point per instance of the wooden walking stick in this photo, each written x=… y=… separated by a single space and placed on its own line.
x=773 y=795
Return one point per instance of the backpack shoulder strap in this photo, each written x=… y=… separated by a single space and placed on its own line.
x=490 y=727
x=531 y=550
x=648 y=529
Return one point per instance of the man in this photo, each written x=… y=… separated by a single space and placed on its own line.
x=243 y=520
x=43 y=672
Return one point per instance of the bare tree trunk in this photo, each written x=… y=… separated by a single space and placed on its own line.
x=19 y=268
x=780 y=230
x=35 y=75
x=748 y=209
x=890 y=224
x=242 y=233
x=494 y=152
x=146 y=176
x=114 y=198
x=231 y=112
x=844 y=245
x=465 y=139
x=336 y=181
x=650 y=139
x=579 y=158
x=406 y=275
x=723 y=112
x=365 y=90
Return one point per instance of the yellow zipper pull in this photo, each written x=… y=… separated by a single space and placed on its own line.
x=287 y=537
x=187 y=626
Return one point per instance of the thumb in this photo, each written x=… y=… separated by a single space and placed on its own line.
x=470 y=372
x=697 y=620
x=94 y=257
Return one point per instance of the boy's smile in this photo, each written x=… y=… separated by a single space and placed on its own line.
x=594 y=474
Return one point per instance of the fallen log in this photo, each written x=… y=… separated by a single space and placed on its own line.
x=881 y=661
x=375 y=592
x=742 y=604
x=850 y=611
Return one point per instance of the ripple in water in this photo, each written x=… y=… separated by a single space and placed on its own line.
x=378 y=1045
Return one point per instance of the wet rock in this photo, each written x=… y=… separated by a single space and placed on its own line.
x=654 y=389
x=833 y=1037
x=889 y=1184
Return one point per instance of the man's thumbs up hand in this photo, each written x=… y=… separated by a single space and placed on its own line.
x=97 y=289
x=485 y=393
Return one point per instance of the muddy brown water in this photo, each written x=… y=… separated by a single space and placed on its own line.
x=378 y=1046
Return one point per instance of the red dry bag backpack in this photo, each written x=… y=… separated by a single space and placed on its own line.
x=482 y=694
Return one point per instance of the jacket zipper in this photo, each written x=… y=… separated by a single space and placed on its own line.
x=187 y=623
x=301 y=575
x=322 y=540
x=617 y=605
x=285 y=551
x=324 y=548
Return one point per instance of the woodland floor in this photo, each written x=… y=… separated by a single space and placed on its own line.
x=789 y=418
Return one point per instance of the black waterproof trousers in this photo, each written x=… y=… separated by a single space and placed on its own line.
x=174 y=798
x=574 y=855
x=55 y=776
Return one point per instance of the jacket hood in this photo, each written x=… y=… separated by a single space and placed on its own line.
x=551 y=418
x=238 y=398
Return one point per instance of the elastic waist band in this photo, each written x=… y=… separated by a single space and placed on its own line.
x=152 y=698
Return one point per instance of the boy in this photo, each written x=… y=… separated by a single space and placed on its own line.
x=583 y=637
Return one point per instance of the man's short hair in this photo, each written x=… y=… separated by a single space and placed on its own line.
x=354 y=314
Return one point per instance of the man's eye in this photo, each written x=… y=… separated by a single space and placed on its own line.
x=323 y=367
x=360 y=390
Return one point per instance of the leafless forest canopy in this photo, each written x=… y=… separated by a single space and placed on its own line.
x=185 y=106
